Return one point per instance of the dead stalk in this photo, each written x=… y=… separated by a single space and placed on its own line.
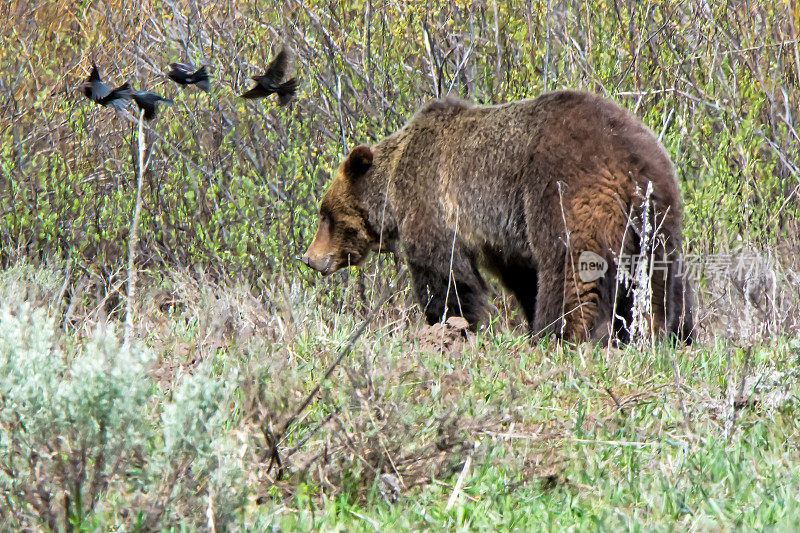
x=133 y=237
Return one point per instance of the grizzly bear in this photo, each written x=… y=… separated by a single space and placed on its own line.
x=538 y=192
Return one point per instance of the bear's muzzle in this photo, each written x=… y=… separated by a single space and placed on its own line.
x=321 y=264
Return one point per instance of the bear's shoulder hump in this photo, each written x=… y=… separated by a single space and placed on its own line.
x=449 y=104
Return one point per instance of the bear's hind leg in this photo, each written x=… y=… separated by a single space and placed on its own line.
x=567 y=306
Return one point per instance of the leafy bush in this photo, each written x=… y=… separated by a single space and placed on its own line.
x=79 y=424
x=199 y=455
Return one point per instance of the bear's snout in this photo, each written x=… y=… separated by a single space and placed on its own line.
x=321 y=264
x=320 y=255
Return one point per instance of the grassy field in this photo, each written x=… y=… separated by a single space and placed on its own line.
x=209 y=418
x=422 y=427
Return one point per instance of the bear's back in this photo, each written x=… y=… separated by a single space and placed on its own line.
x=574 y=135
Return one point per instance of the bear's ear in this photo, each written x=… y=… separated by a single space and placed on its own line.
x=358 y=162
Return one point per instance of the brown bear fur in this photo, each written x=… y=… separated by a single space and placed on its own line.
x=520 y=189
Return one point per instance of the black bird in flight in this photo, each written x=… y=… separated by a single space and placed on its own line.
x=95 y=90
x=149 y=102
x=272 y=81
x=183 y=74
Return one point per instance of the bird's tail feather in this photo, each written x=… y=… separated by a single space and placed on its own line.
x=286 y=91
x=201 y=79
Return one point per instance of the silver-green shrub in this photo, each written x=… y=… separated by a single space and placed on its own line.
x=71 y=422
x=199 y=447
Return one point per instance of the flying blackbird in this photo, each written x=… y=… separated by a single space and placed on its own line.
x=149 y=102
x=118 y=98
x=95 y=90
x=182 y=74
x=270 y=81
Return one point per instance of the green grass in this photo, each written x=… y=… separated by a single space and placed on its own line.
x=573 y=459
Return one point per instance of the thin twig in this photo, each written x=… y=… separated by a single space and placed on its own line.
x=679 y=390
x=739 y=393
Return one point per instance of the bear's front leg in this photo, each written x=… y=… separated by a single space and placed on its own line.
x=464 y=297
x=436 y=287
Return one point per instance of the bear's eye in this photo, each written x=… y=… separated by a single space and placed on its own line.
x=325 y=218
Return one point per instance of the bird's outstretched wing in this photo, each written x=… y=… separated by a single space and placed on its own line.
x=118 y=98
x=93 y=87
x=276 y=69
x=270 y=81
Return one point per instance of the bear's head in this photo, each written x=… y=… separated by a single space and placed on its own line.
x=344 y=236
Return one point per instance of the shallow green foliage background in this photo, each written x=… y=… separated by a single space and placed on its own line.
x=234 y=185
